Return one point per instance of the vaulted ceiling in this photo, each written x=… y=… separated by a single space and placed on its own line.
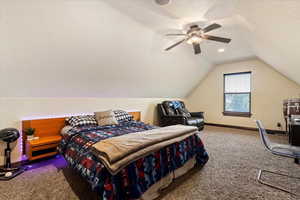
x=113 y=48
x=268 y=29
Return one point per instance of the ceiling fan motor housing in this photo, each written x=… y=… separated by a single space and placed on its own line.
x=194 y=30
x=194 y=26
x=163 y=2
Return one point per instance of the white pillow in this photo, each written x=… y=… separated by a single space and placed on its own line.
x=106 y=118
x=65 y=130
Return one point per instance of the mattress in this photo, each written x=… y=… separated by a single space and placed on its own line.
x=154 y=191
x=139 y=176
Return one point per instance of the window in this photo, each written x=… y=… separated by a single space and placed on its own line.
x=237 y=94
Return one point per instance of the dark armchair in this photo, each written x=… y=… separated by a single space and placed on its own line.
x=168 y=115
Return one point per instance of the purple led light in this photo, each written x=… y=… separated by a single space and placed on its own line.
x=20 y=147
x=58 y=162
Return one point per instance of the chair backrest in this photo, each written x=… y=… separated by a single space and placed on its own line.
x=171 y=110
x=275 y=148
x=168 y=108
x=263 y=135
x=182 y=104
x=161 y=110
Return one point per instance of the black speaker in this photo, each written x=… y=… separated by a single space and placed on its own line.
x=294 y=135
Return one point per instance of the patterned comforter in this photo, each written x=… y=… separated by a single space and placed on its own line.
x=137 y=177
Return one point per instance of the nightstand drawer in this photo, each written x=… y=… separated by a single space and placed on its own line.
x=41 y=148
x=36 y=153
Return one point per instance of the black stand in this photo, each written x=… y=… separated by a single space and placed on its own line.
x=8 y=172
x=297 y=161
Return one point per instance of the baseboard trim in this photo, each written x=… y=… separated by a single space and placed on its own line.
x=245 y=128
x=275 y=131
x=17 y=163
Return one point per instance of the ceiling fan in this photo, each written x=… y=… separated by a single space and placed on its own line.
x=163 y=2
x=195 y=35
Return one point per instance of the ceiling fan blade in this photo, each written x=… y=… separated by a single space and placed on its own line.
x=197 y=48
x=215 y=38
x=174 y=45
x=211 y=27
x=176 y=34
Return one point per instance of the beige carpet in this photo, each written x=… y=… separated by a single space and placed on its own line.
x=235 y=158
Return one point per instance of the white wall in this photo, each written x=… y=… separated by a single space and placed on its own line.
x=14 y=110
x=269 y=89
x=86 y=48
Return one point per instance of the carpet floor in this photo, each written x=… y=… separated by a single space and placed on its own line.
x=235 y=159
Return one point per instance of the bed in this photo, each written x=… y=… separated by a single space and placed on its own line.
x=142 y=178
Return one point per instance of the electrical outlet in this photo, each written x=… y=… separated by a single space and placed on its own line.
x=278 y=124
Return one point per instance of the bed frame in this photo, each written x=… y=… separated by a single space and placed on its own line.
x=49 y=127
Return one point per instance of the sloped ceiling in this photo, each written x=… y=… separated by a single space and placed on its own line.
x=113 y=48
x=86 y=48
x=268 y=29
x=273 y=30
x=177 y=15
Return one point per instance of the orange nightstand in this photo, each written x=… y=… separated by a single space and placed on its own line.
x=42 y=147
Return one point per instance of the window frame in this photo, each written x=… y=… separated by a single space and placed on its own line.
x=233 y=113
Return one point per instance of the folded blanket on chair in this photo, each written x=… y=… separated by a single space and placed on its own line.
x=117 y=152
x=176 y=104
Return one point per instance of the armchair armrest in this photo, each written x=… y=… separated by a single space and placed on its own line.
x=197 y=114
x=179 y=117
x=173 y=120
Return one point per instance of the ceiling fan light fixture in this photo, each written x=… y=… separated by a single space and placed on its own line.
x=194 y=39
x=221 y=50
x=163 y=2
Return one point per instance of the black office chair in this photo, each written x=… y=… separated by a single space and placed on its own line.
x=8 y=172
x=277 y=149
